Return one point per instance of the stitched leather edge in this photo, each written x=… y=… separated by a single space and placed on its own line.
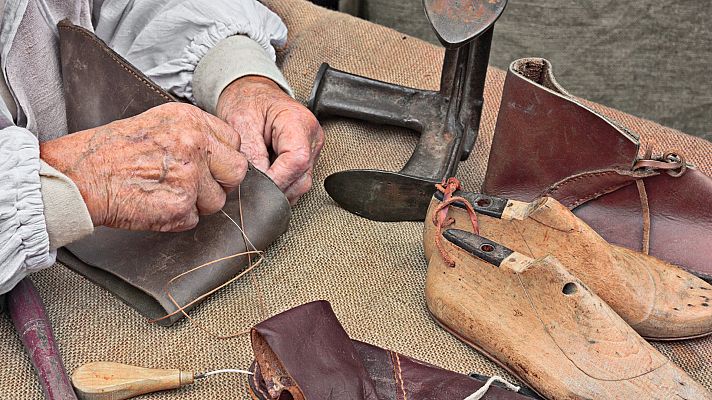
x=400 y=377
x=120 y=61
x=575 y=178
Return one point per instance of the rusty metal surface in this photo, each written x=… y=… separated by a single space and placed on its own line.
x=457 y=22
x=492 y=206
x=448 y=119
x=482 y=248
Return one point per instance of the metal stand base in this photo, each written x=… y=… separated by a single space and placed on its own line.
x=448 y=120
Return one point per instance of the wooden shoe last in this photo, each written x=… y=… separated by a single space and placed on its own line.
x=539 y=321
x=659 y=300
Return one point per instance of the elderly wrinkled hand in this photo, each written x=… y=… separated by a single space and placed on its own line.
x=265 y=116
x=156 y=171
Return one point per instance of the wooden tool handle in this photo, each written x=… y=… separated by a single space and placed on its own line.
x=114 y=381
x=32 y=325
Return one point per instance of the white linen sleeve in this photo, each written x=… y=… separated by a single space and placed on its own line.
x=24 y=242
x=166 y=39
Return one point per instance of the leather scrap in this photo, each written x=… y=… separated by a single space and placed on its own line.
x=306 y=352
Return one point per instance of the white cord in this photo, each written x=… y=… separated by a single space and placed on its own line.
x=479 y=394
x=223 y=371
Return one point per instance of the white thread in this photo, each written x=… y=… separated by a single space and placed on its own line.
x=226 y=371
x=480 y=393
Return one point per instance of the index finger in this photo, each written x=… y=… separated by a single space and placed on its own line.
x=227 y=165
x=222 y=131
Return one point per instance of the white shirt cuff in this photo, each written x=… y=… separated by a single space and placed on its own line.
x=65 y=212
x=231 y=59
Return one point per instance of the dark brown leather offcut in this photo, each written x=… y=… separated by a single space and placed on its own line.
x=305 y=352
x=100 y=87
x=547 y=143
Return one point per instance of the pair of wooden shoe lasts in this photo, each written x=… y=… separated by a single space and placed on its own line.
x=543 y=295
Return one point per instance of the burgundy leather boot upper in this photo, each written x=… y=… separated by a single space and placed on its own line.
x=304 y=353
x=546 y=143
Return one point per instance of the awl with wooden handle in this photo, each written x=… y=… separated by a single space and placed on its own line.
x=114 y=381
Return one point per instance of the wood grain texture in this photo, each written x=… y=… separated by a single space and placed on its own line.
x=114 y=381
x=658 y=299
x=549 y=329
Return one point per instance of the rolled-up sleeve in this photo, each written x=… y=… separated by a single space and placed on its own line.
x=24 y=242
x=166 y=39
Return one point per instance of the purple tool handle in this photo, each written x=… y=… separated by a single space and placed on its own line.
x=32 y=325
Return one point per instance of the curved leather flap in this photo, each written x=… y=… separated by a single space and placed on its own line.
x=306 y=351
x=580 y=188
x=100 y=87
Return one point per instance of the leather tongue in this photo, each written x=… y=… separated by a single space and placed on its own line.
x=306 y=352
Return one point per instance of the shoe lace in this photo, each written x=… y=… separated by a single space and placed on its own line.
x=441 y=220
x=674 y=164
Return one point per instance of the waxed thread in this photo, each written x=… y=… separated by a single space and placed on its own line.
x=645 y=209
x=253 y=281
x=201 y=375
x=249 y=254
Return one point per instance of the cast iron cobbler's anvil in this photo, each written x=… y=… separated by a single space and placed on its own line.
x=448 y=120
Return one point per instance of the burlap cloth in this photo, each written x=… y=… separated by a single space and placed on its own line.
x=372 y=273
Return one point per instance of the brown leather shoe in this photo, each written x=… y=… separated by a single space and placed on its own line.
x=547 y=143
x=545 y=326
x=304 y=353
x=659 y=300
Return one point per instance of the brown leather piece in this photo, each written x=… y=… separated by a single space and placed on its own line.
x=547 y=143
x=309 y=345
x=100 y=87
x=315 y=351
x=581 y=188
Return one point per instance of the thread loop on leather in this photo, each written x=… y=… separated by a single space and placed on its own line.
x=251 y=265
x=645 y=208
x=674 y=164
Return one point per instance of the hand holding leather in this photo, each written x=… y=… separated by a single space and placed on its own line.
x=264 y=115
x=156 y=171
